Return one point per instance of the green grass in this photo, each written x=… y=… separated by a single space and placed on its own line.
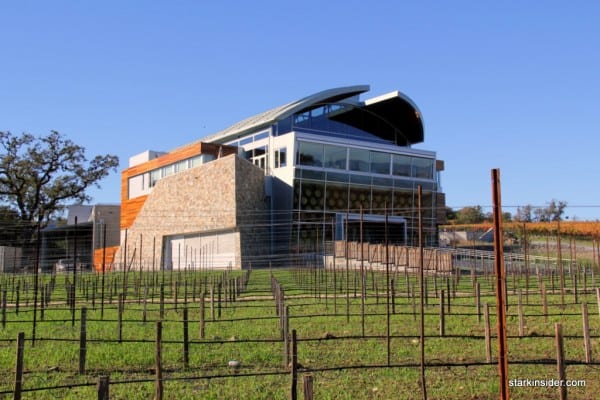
x=248 y=331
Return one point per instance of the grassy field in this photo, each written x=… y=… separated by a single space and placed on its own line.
x=331 y=347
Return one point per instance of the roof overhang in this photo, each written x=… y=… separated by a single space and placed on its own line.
x=392 y=116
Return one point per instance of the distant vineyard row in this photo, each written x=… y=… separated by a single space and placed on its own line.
x=569 y=228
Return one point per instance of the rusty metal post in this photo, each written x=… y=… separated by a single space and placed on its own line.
x=422 y=290
x=500 y=285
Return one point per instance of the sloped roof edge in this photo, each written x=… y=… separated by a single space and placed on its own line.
x=278 y=113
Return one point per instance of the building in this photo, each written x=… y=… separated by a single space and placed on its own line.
x=284 y=183
x=89 y=237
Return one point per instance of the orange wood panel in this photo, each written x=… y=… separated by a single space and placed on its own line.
x=109 y=258
x=130 y=210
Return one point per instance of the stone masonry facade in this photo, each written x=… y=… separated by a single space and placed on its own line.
x=224 y=195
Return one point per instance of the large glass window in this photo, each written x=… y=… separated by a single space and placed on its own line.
x=310 y=154
x=312 y=197
x=359 y=160
x=401 y=165
x=335 y=157
x=380 y=163
x=336 y=196
x=360 y=197
x=423 y=168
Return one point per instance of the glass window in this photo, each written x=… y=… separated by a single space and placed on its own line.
x=336 y=197
x=359 y=160
x=335 y=157
x=135 y=186
x=385 y=182
x=280 y=157
x=181 y=166
x=246 y=141
x=403 y=184
x=380 y=163
x=262 y=135
x=204 y=158
x=316 y=175
x=301 y=117
x=423 y=168
x=259 y=151
x=312 y=196
x=284 y=126
x=154 y=177
x=360 y=197
x=401 y=165
x=337 y=177
x=310 y=154
x=360 y=179
x=168 y=170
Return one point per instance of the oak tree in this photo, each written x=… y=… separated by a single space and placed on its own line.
x=39 y=175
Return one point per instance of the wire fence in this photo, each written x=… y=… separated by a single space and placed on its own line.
x=344 y=318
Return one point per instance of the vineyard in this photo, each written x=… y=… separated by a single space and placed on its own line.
x=341 y=332
x=577 y=229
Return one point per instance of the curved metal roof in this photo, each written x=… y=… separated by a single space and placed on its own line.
x=278 y=113
x=394 y=108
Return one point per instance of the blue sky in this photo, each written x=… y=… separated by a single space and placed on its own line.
x=513 y=85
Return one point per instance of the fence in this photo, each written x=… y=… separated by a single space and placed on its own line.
x=344 y=320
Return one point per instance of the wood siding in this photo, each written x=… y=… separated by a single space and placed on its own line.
x=109 y=258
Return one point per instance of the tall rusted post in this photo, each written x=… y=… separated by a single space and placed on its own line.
x=347 y=270
x=387 y=283
x=422 y=288
x=362 y=275
x=500 y=285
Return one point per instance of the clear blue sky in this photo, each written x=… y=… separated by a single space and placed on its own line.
x=513 y=85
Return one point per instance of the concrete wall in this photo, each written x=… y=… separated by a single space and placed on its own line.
x=224 y=194
x=10 y=259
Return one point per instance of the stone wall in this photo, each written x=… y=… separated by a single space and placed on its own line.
x=212 y=197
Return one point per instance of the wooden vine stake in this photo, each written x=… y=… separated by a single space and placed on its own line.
x=158 y=383
x=294 y=369
x=19 y=367
x=500 y=286
x=598 y=298
x=82 y=341
x=201 y=315
x=560 y=361
x=308 y=387
x=488 y=334
x=186 y=343
x=586 y=333
x=103 y=387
